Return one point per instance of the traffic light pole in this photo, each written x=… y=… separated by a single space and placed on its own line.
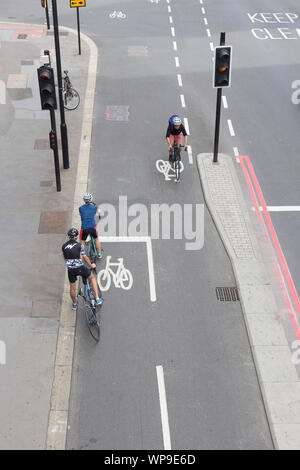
x=78 y=30
x=63 y=125
x=47 y=16
x=218 y=112
x=55 y=150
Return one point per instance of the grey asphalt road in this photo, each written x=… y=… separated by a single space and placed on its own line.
x=212 y=390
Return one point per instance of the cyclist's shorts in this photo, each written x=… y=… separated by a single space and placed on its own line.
x=176 y=138
x=81 y=271
x=88 y=231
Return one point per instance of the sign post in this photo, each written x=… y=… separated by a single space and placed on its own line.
x=76 y=4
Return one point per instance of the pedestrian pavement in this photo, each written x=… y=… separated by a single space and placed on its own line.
x=34 y=220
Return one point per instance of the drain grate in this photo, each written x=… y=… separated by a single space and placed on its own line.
x=22 y=36
x=227 y=294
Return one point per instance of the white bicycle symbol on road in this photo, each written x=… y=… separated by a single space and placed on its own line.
x=121 y=278
x=117 y=14
x=164 y=167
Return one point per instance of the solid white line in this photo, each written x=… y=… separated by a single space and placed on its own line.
x=173 y=31
x=186 y=125
x=225 y=104
x=280 y=208
x=190 y=154
x=175 y=45
x=182 y=101
x=211 y=45
x=163 y=407
x=231 y=130
x=208 y=33
x=177 y=62
x=179 y=80
x=171 y=19
x=205 y=21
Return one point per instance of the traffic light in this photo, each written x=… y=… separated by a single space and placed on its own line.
x=44 y=3
x=47 y=87
x=52 y=139
x=222 y=73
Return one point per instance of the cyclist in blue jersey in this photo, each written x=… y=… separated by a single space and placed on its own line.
x=88 y=212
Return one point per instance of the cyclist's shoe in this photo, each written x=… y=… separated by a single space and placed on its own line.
x=99 y=301
x=74 y=306
x=100 y=255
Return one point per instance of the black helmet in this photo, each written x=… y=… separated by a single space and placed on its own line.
x=73 y=233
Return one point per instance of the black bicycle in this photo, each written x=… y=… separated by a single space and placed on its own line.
x=92 y=310
x=176 y=160
x=71 y=96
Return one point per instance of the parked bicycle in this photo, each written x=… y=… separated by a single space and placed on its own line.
x=70 y=95
x=92 y=311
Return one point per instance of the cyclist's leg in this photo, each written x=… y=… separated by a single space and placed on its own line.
x=171 y=137
x=178 y=141
x=93 y=281
x=97 y=241
x=72 y=280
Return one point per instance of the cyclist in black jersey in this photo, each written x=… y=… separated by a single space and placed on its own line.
x=73 y=253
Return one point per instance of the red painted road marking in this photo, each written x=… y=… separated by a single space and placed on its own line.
x=277 y=246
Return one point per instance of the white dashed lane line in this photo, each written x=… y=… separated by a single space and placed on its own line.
x=208 y=33
x=177 y=62
x=182 y=101
x=225 y=104
x=171 y=19
x=179 y=80
x=230 y=126
x=175 y=45
x=173 y=31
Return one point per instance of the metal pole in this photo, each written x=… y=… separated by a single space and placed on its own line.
x=218 y=112
x=55 y=152
x=78 y=29
x=63 y=125
x=47 y=16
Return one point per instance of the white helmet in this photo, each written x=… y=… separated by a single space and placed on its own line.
x=87 y=197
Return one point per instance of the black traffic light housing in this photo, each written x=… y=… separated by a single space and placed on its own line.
x=222 y=73
x=47 y=87
x=44 y=3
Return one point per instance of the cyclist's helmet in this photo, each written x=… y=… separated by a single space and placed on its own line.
x=73 y=233
x=87 y=197
x=176 y=121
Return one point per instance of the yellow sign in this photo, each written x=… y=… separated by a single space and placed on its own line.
x=77 y=3
x=44 y=3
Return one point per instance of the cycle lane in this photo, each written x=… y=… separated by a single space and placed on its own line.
x=124 y=154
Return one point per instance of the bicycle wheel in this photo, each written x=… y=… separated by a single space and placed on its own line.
x=104 y=280
x=72 y=99
x=177 y=170
x=126 y=280
x=93 y=320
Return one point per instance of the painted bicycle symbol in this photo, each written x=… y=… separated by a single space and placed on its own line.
x=122 y=277
x=169 y=172
x=117 y=14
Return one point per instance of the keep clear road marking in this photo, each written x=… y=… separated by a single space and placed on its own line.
x=147 y=240
x=163 y=407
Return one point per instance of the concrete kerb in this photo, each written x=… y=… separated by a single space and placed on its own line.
x=60 y=395
x=270 y=350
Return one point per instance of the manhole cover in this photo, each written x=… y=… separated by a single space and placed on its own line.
x=54 y=222
x=227 y=294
